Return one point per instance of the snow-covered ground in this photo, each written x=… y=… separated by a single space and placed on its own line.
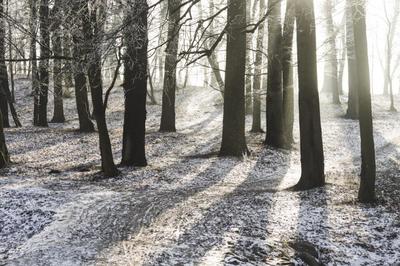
x=189 y=206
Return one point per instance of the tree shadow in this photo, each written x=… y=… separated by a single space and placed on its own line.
x=311 y=242
x=98 y=219
x=234 y=224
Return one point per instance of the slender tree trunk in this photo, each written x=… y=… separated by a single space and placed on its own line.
x=4 y=157
x=135 y=85
x=67 y=67
x=342 y=59
x=287 y=74
x=81 y=93
x=311 y=150
x=34 y=67
x=160 y=54
x=58 y=115
x=233 y=131
x=368 y=168
x=331 y=69
x=212 y=57
x=44 y=64
x=274 y=136
x=258 y=67
x=151 y=94
x=352 y=106
x=92 y=29
x=249 y=70
x=4 y=85
x=10 y=54
x=168 y=98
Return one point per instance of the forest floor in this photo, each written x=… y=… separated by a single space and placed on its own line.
x=189 y=206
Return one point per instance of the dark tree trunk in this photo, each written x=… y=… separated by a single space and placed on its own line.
x=312 y=155
x=168 y=98
x=34 y=68
x=67 y=67
x=10 y=54
x=81 y=91
x=160 y=54
x=135 y=85
x=6 y=98
x=44 y=64
x=287 y=74
x=233 y=131
x=331 y=68
x=258 y=67
x=4 y=85
x=4 y=157
x=368 y=168
x=58 y=116
x=249 y=69
x=274 y=136
x=92 y=29
x=352 y=105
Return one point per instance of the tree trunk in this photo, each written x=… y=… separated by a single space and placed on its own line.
x=10 y=54
x=311 y=150
x=258 y=67
x=67 y=68
x=92 y=33
x=81 y=91
x=4 y=157
x=249 y=70
x=212 y=58
x=233 y=131
x=4 y=85
x=135 y=85
x=58 y=115
x=331 y=68
x=44 y=63
x=287 y=74
x=352 y=105
x=34 y=67
x=274 y=136
x=168 y=98
x=160 y=54
x=368 y=168
x=342 y=59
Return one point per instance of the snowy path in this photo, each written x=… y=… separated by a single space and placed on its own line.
x=185 y=208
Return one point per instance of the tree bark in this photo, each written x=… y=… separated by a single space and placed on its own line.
x=135 y=85
x=274 y=136
x=44 y=64
x=34 y=67
x=58 y=114
x=4 y=156
x=249 y=70
x=331 y=67
x=287 y=74
x=352 y=105
x=368 y=168
x=311 y=150
x=258 y=67
x=4 y=85
x=92 y=24
x=81 y=91
x=233 y=131
x=169 y=89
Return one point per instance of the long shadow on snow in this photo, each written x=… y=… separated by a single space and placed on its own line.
x=241 y=216
x=104 y=217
